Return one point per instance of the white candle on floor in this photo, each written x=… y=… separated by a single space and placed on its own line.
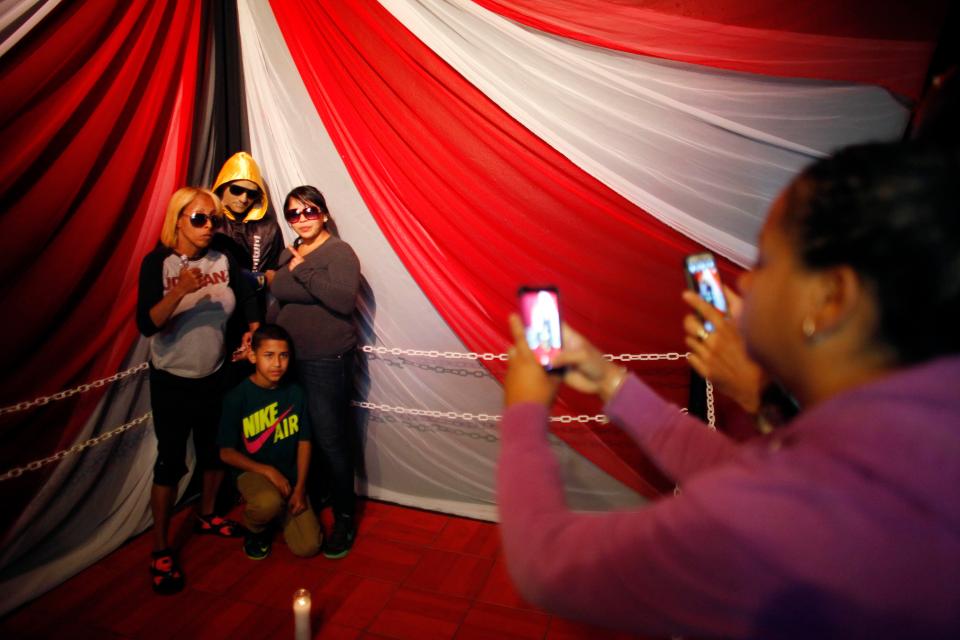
x=301 y=614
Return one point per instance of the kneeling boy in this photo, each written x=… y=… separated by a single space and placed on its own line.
x=265 y=434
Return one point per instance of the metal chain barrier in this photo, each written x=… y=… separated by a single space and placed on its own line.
x=448 y=355
x=467 y=417
x=469 y=355
x=393 y=351
x=16 y=472
x=69 y=393
x=711 y=407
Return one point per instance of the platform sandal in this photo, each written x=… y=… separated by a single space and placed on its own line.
x=166 y=578
x=214 y=525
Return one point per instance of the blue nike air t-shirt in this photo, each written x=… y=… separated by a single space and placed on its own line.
x=266 y=425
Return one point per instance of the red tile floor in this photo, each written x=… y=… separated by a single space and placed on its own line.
x=411 y=574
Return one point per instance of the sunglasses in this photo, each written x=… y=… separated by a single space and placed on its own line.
x=310 y=213
x=199 y=220
x=237 y=190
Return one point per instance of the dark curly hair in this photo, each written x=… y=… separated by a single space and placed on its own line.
x=890 y=212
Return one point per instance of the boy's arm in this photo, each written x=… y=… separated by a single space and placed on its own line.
x=236 y=459
x=298 y=501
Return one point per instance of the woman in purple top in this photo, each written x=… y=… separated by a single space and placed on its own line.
x=844 y=524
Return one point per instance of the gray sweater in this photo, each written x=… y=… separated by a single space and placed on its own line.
x=315 y=301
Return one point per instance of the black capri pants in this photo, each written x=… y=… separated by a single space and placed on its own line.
x=181 y=406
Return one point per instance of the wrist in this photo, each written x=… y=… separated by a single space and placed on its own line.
x=613 y=379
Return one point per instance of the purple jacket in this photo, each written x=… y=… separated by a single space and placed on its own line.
x=845 y=524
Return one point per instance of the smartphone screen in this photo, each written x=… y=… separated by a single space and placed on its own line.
x=704 y=279
x=540 y=310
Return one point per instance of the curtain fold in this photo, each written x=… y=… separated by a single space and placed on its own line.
x=887 y=43
x=475 y=204
x=445 y=464
x=702 y=149
x=97 y=145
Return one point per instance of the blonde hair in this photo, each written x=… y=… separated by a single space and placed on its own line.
x=178 y=202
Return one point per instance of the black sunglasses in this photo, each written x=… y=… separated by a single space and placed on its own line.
x=199 y=220
x=237 y=190
x=310 y=213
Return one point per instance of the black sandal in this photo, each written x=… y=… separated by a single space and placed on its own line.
x=214 y=525
x=167 y=578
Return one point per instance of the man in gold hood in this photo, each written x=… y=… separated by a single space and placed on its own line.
x=251 y=234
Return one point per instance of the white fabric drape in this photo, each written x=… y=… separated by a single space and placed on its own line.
x=445 y=465
x=92 y=502
x=702 y=149
x=18 y=17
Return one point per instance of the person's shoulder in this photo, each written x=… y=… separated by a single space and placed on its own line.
x=158 y=254
x=237 y=390
x=155 y=258
x=340 y=247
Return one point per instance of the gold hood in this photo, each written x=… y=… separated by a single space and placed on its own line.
x=242 y=166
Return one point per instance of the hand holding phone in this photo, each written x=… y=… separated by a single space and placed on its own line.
x=540 y=312
x=703 y=279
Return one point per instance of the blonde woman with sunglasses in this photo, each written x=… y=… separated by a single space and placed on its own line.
x=187 y=293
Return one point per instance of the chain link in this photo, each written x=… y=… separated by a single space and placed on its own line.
x=16 y=472
x=69 y=393
x=422 y=353
x=711 y=407
x=470 y=417
x=458 y=355
x=428 y=413
x=645 y=357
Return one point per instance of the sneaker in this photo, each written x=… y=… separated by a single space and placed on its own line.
x=257 y=545
x=338 y=543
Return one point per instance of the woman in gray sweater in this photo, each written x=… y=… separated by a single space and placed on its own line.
x=316 y=287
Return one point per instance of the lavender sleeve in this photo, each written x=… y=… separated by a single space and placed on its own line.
x=663 y=569
x=679 y=445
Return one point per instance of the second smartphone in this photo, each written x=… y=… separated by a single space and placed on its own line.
x=703 y=278
x=540 y=311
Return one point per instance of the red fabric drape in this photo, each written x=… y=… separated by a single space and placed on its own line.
x=475 y=204
x=97 y=116
x=886 y=42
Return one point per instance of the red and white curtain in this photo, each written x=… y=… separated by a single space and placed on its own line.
x=465 y=147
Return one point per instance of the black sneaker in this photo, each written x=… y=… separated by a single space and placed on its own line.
x=338 y=543
x=257 y=545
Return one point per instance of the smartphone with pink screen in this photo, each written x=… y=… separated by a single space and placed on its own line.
x=540 y=311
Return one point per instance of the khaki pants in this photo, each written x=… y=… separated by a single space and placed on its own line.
x=265 y=504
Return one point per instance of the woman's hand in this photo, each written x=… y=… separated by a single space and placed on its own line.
x=268 y=275
x=721 y=356
x=189 y=279
x=586 y=368
x=296 y=260
x=526 y=379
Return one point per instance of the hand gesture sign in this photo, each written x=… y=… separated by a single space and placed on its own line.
x=190 y=279
x=296 y=260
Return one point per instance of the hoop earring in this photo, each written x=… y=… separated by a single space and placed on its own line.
x=809 y=328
